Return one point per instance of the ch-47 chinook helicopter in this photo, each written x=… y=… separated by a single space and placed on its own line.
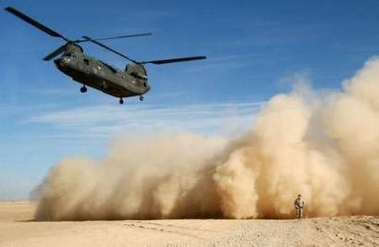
x=95 y=73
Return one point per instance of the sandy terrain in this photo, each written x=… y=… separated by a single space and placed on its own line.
x=17 y=228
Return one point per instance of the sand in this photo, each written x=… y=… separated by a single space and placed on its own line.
x=17 y=228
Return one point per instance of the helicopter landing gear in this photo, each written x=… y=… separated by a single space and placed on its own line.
x=141 y=98
x=121 y=101
x=83 y=89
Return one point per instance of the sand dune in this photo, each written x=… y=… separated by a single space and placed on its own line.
x=17 y=228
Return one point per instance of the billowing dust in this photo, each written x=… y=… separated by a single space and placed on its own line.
x=324 y=146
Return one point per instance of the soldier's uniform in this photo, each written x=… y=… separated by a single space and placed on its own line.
x=299 y=205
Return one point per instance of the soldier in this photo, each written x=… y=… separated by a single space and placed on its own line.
x=299 y=205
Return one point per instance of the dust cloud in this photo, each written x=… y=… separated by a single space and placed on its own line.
x=324 y=145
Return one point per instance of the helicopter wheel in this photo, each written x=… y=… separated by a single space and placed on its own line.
x=83 y=89
x=141 y=98
x=121 y=101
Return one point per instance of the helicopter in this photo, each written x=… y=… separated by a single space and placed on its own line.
x=92 y=72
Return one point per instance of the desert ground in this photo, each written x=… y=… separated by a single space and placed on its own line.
x=17 y=228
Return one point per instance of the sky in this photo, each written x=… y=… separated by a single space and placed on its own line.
x=254 y=50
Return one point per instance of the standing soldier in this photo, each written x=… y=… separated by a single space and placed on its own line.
x=299 y=205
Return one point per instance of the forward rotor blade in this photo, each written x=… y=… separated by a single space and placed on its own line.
x=55 y=53
x=108 y=48
x=115 y=37
x=174 y=60
x=34 y=23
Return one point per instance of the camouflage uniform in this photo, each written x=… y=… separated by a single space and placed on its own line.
x=299 y=205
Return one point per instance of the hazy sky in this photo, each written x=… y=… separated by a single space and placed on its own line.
x=254 y=48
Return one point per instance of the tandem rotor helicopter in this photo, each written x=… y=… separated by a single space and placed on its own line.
x=95 y=73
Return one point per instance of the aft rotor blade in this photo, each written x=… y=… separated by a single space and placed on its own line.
x=115 y=37
x=174 y=60
x=108 y=48
x=34 y=23
x=55 y=53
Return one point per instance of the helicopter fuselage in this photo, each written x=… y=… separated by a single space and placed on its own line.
x=94 y=73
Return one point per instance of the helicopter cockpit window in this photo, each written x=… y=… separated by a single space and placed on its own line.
x=69 y=55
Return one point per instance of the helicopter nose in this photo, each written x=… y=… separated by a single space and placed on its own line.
x=57 y=61
x=61 y=62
